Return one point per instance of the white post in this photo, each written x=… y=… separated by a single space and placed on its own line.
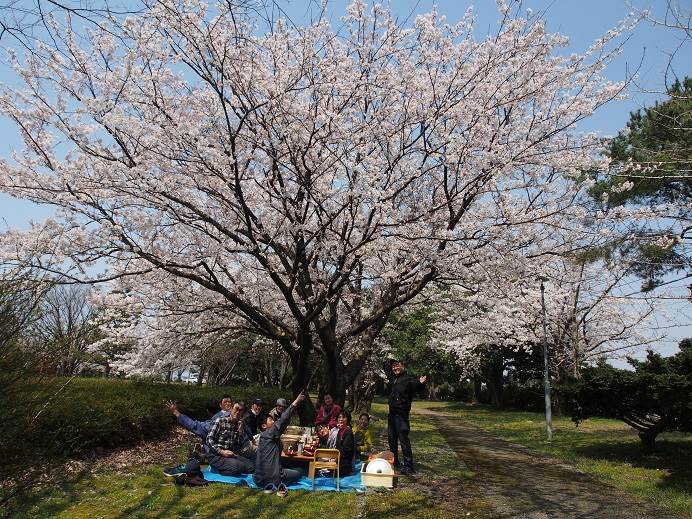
x=546 y=373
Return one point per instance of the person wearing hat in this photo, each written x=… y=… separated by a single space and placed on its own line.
x=402 y=389
x=254 y=416
x=281 y=405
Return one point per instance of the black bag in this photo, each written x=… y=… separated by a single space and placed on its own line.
x=191 y=480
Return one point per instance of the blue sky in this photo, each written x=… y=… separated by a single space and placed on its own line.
x=583 y=21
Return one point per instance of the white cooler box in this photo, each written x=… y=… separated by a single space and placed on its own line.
x=381 y=474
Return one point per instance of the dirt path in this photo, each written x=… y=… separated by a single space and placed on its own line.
x=521 y=483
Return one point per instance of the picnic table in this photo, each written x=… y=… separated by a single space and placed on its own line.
x=298 y=457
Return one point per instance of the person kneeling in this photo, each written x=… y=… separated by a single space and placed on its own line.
x=269 y=474
x=226 y=440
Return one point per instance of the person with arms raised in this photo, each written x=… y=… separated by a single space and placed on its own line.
x=269 y=474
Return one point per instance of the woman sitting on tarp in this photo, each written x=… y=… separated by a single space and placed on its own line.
x=341 y=438
x=363 y=436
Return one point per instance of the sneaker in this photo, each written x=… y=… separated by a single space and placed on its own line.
x=175 y=471
x=270 y=488
x=406 y=471
x=324 y=473
x=282 y=491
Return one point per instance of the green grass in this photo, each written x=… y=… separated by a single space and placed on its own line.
x=439 y=468
x=607 y=449
x=143 y=491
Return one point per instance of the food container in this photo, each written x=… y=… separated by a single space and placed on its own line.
x=289 y=441
x=381 y=474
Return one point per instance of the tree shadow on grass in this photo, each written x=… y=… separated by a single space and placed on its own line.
x=672 y=456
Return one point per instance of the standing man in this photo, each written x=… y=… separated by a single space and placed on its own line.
x=402 y=389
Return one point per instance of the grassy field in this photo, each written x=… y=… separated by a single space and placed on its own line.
x=444 y=487
x=608 y=449
x=141 y=491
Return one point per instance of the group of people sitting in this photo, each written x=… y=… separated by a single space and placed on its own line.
x=237 y=440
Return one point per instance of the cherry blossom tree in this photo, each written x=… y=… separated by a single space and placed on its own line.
x=588 y=316
x=299 y=183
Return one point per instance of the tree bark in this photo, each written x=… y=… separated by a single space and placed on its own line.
x=495 y=381
x=301 y=376
x=648 y=440
x=477 y=387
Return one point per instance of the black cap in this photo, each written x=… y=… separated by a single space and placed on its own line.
x=395 y=361
x=258 y=401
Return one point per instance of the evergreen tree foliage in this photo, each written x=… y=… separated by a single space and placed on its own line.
x=655 y=397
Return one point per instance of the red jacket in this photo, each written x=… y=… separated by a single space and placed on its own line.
x=328 y=418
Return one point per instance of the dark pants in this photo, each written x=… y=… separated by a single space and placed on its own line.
x=234 y=466
x=398 y=427
x=286 y=476
x=290 y=476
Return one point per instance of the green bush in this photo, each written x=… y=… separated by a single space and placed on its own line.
x=58 y=418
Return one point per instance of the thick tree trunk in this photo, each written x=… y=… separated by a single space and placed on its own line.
x=495 y=381
x=648 y=440
x=333 y=378
x=301 y=377
x=361 y=393
x=477 y=387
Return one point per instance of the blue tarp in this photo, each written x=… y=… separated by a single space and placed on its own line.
x=347 y=483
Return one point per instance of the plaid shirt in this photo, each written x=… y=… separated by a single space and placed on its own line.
x=226 y=435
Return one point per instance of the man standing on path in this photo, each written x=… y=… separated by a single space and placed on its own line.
x=402 y=389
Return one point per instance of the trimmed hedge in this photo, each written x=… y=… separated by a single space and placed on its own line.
x=55 y=419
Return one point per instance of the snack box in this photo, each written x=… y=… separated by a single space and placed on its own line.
x=296 y=430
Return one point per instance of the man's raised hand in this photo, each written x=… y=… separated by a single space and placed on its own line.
x=299 y=399
x=423 y=379
x=172 y=408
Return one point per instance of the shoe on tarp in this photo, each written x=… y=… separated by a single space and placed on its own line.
x=175 y=471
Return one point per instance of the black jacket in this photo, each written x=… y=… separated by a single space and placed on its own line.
x=402 y=389
x=346 y=446
x=253 y=421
